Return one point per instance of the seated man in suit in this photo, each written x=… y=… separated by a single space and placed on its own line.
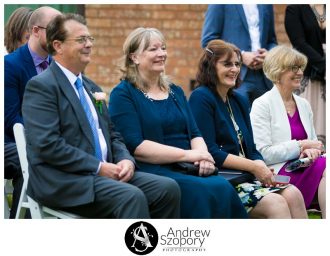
x=78 y=162
x=27 y=61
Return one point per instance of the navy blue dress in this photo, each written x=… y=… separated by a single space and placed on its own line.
x=214 y=121
x=170 y=122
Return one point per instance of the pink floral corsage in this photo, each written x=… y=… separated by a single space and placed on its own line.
x=99 y=97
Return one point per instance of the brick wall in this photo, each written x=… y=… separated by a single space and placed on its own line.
x=279 y=12
x=181 y=25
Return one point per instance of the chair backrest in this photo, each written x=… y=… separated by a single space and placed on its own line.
x=21 y=149
x=26 y=202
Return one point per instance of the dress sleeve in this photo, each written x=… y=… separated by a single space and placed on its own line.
x=124 y=115
x=203 y=109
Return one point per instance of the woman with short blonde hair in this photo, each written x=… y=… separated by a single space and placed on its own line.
x=280 y=59
x=283 y=126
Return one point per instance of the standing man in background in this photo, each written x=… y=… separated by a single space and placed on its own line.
x=24 y=63
x=251 y=28
x=20 y=66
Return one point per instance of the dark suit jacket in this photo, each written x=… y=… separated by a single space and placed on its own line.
x=228 y=22
x=19 y=68
x=306 y=36
x=60 y=145
x=136 y=119
x=216 y=126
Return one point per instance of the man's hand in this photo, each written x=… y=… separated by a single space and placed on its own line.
x=249 y=59
x=110 y=170
x=122 y=171
x=127 y=170
x=259 y=59
x=254 y=60
x=261 y=54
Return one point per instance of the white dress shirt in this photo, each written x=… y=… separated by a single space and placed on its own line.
x=72 y=79
x=252 y=17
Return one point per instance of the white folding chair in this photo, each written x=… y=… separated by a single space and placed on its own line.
x=25 y=202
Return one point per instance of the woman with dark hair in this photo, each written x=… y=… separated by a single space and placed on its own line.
x=222 y=116
x=16 y=29
x=154 y=118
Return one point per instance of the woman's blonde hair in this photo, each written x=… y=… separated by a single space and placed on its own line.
x=137 y=42
x=280 y=59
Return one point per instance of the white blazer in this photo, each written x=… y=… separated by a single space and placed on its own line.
x=271 y=128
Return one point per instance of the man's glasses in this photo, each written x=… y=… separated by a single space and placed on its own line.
x=296 y=68
x=229 y=64
x=83 y=39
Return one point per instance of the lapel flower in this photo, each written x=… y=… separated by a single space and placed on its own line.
x=99 y=98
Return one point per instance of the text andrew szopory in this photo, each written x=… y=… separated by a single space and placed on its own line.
x=184 y=238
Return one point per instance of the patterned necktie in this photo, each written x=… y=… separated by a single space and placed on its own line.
x=43 y=65
x=90 y=118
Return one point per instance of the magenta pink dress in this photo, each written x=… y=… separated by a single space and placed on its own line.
x=305 y=179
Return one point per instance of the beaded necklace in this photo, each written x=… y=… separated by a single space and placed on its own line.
x=170 y=92
x=237 y=130
x=319 y=17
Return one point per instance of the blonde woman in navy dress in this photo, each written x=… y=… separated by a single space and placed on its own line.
x=154 y=118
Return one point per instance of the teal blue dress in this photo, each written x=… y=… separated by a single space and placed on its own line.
x=170 y=122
